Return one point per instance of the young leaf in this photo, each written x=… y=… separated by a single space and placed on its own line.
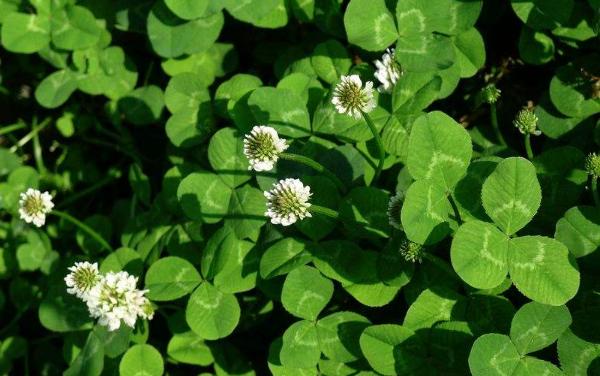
x=536 y=326
x=306 y=292
x=511 y=195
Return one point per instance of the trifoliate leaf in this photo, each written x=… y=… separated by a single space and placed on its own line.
x=171 y=278
x=142 y=359
x=370 y=25
x=536 y=326
x=306 y=292
x=212 y=314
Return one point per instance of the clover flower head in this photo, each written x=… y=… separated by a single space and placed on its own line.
x=287 y=202
x=115 y=299
x=388 y=71
x=491 y=94
x=262 y=147
x=411 y=251
x=34 y=205
x=349 y=96
x=82 y=278
x=394 y=208
x=592 y=164
x=526 y=122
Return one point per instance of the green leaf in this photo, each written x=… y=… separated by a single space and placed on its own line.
x=479 y=254
x=62 y=312
x=204 y=196
x=142 y=359
x=282 y=109
x=283 y=257
x=90 y=361
x=540 y=14
x=74 y=28
x=470 y=52
x=300 y=348
x=425 y=52
x=430 y=308
x=246 y=213
x=364 y=211
x=143 y=105
x=536 y=326
x=493 y=354
x=392 y=349
x=330 y=60
x=511 y=195
x=370 y=25
x=189 y=348
x=439 y=150
x=238 y=265
x=576 y=355
x=188 y=9
x=425 y=213
x=226 y=156
x=122 y=259
x=231 y=91
x=579 y=230
x=212 y=314
x=55 y=89
x=339 y=335
x=571 y=92
x=543 y=270
x=417 y=91
x=171 y=36
x=535 y=47
x=443 y=16
x=186 y=91
x=171 y=278
x=8 y=161
x=306 y=292
x=25 y=33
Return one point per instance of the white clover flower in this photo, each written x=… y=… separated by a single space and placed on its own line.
x=115 y=298
x=262 y=147
x=394 y=209
x=83 y=277
x=388 y=71
x=34 y=205
x=349 y=96
x=288 y=202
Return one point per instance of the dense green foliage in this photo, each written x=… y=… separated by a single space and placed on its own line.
x=132 y=115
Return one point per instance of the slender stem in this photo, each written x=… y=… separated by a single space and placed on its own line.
x=37 y=154
x=315 y=166
x=30 y=135
x=112 y=175
x=528 y=146
x=323 y=210
x=83 y=227
x=13 y=127
x=379 y=145
x=455 y=208
x=594 y=187
x=494 y=119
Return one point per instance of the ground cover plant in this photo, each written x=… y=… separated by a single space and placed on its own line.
x=299 y=187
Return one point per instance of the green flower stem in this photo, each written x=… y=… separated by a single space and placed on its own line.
x=528 y=146
x=323 y=210
x=315 y=166
x=83 y=227
x=36 y=129
x=379 y=145
x=112 y=175
x=13 y=127
x=594 y=187
x=455 y=208
x=494 y=119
